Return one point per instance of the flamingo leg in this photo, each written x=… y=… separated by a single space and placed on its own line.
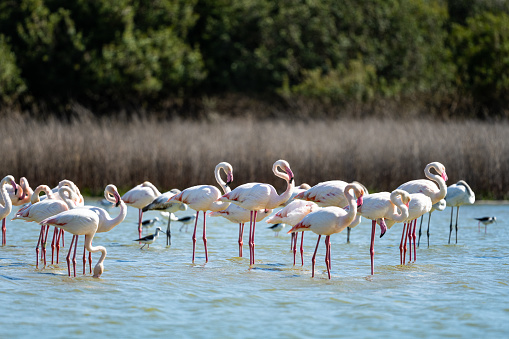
x=84 y=259
x=401 y=245
x=68 y=258
x=348 y=229
x=420 y=227
x=327 y=254
x=404 y=242
x=4 y=232
x=74 y=256
x=253 y=239
x=37 y=247
x=43 y=254
x=295 y=247
x=409 y=235
x=59 y=235
x=241 y=233
x=205 y=236
x=55 y=231
x=457 y=213
x=250 y=237
x=302 y=248
x=414 y=236
x=63 y=242
x=450 y=226
x=313 y=259
x=168 y=232
x=291 y=241
x=427 y=232
x=372 y=247
x=194 y=234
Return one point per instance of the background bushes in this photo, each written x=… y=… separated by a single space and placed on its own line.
x=435 y=54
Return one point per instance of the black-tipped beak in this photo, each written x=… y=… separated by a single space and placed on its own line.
x=382 y=234
x=291 y=179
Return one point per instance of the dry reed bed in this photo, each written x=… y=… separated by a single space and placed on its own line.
x=379 y=153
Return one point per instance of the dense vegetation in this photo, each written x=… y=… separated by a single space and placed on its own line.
x=184 y=57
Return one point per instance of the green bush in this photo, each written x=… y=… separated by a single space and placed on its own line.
x=11 y=83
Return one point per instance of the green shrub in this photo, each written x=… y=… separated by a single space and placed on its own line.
x=11 y=83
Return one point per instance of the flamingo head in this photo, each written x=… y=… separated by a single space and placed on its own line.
x=98 y=270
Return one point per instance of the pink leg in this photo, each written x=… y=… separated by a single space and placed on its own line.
x=84 y=259
x=63 y=242
x=44 y=245
x=68 y=258
x=4 y=232
x=295 y=247
x=205 y=236
x=302 y=248
x=55 y=231
x=140 y=216
x=401 y=245
x=409 y=235
x=74 y=256
x=253 y=238
x=372 y=247
x=404 y=247
x=60 y=234
x=37 y=247
x=313 y=260
x=414 y=237
x=250 y=238
x=241 y=233
x=327 y=254
x=194 y=234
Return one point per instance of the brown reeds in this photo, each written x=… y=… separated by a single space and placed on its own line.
x=379 y=153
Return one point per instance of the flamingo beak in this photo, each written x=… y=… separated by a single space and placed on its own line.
x=444 y=176
x=117 y=198
x=229 y=180
x=359 y=202
x=383 y=228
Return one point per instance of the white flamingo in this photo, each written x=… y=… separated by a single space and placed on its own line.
x=139 y=197
x=23 y=194
x=331 y=220
x=240 y=216
x=292 y=214
x=206 y=198
x=439 y=206
x=6 y=203
x=257 y=196
x=458 y=195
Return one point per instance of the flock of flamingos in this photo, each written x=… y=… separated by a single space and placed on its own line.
x=325 y=209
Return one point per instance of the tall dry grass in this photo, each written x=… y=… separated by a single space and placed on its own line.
x=381 y=154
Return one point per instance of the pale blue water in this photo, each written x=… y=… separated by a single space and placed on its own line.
x=451 y=291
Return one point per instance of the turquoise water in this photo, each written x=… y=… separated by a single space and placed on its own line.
x=451 y=291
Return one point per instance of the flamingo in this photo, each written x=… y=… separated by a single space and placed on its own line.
x=330 y=193
x=383 y=205
x=48 y=207
x=6 y=208
x=160 y=204
x=291 y=215
x=240 y=216
x=256 y=196
x=139 y=197
x=24 y=192
x=206 y=198
x=149 y=239
x=79 y=221
x=330 y=220
x=486 y=221
x=458 y=195
x=419 y=205
x=439 y=206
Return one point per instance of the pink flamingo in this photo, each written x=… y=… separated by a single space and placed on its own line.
x=419 y=205
x=106 y=222
x=256 y=196
x=205 y=198
x=383 y=205
x=429 y=187
x=23 y=194
x=331 y=220
x=330 y=193
x=457 y=195
x=79 y=221
x=38 y=211
x=6 y=208
x=240 y=216
x=139 y=197
x=292 y=214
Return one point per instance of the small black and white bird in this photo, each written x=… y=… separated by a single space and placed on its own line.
x=149 y=239
x=277 y=228
x=149 y=222
x=186 y=221
x=486 y=221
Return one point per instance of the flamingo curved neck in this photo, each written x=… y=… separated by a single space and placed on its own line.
x=224 y=186
x=109 y=223
x=41 y=188
x=151 y=186
x=467 y=187
x=5 y=196
x=98 y=269
x=400 y=212
x=352 y=207
x=68 y=196
x=439 y=180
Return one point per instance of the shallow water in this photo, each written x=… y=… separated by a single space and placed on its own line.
x=457 y=290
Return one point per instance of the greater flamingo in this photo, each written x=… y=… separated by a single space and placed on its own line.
x=383 y=205
x=292 y=214
x=439 y=206
x=6 y=208
x=161 y=204
x=48 y=207
x=458 y=195
x=149 y=239
x=330 y=220
x=206 y=198
x=79 y=221
x=256 y=196
x=139 y=197
x=330 y=193
x=486 y=221
x=240 y=216
x=24 y=193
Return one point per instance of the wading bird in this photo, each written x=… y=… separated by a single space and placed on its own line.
x=486 y=221
x=149 y=239
x=257 y=196
x=458 y=195
x=439 y=206
x=139 y=197
x=206 y=198
x=6 y=203
x=330 y=220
